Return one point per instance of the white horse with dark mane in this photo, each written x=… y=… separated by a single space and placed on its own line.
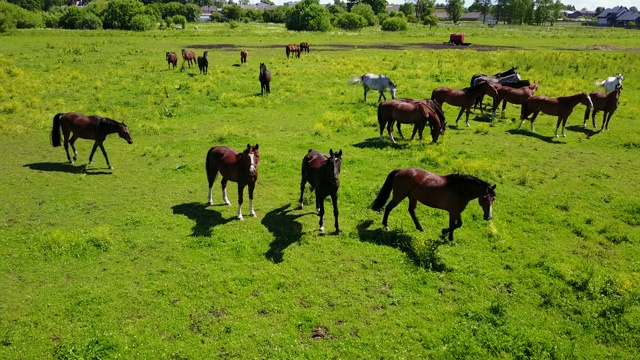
x=375 y=82
x=611 y=82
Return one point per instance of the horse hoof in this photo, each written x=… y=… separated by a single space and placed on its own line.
x=468 y=125
x=386 y=228
x=322 y=229
x=253 y=214
x=337 y=232
x=210 y=203
x=226 y=203
x=240 y=218
x=110 y=167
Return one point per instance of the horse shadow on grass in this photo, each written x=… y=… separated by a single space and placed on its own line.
x=429 y=258
x=281 y=222
x=205 y=219
x=549 y=139
x=375 y=143
x=66 y=167
x=585 y=130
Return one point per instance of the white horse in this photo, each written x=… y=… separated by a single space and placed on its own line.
x=375 y=82
x=611 y=82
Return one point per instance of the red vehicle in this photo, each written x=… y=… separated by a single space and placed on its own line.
x=457 y=39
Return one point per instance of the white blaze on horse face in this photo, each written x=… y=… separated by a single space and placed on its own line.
x=252 y=167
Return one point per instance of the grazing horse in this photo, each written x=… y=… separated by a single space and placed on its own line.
x=304 y=47
x=265 y=79
x=243 y=57
x=561 y=107
x=86 y=127
x=611 y=82
x=464 y=98
x=322 y=174
x=375 y=82
x=203 y=63
x=241 y=168
x=513 y=95
x=475 y=79
x=188 y=56
x=605 y=102
x=410 y=111
x=450 y=192
x=172 y=59
x=293 y=49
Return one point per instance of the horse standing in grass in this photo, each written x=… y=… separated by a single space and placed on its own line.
x=512 y=95
x=188 y=56
x=172 y=59
x=611 y=82
x=203 y=63
x=304 y=47
x=241 y=168
x=321 y=172
x=410 y=111
x=450 y=192
x=605 y=102
x=265 y=79
x=243 y=57
x=375 y=82
x=464 y=98
x=292 y=50
x=86 y=127
x=561 y=107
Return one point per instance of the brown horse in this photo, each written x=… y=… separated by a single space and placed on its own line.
x=172 y=59
x=265 y=79
x=411 y=111
x=561 y=107
x=322 y=174
x=605 y=102
x=304 y=47
x=241 y=168
x=188 y=56
x=203 y=63
x=464 y=98
x=512 y=95
x=243 y=56
x=451 y=193
x=293 y=49
x=86 y=127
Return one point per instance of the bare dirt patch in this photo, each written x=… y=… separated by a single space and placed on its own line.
x=343 y=47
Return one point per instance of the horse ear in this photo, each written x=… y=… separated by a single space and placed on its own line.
x=340 y=153
x=248 y=146
x=493 y=187
x=256 y=147
x=331 y=152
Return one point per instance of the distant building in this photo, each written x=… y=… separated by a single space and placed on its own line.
x=608 y=16
x=626 y=18
x=441 y=13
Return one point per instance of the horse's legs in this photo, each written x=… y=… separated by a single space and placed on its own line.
x=240 y=199
x=420 y=129
x=223 y=183
x=390 y=131
x=504 y=104
x=72 y=142
x=320 y=207
x=252 y=186
x=93 y=150
x=104 y=152
x=459 y=115
x=366 y=89
x=303 y=182
x=412 y=211
x=468 y=111
x=395 y=200
x=382 y=96
x=608 y=118
x=382 y=123
x=533 y=118
x=334 y=201
x=211 y=177
x=455 y=221
x=400 y=131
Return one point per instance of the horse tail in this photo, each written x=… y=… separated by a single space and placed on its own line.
x=208 y=165
x=55 y=131
x=600 y=83
x=523 y=109
x=354 y=80
x=385 y=192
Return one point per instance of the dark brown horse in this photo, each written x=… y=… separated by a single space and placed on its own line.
x=203 y=63
x=241 y=168
x=411 y=111
x=265 y=79
x=605 y=102
x=451 y=193
x=172 y=59
x=512 y=95
x=243 y=57
x=561 y=107
x=321 y=172
x=188 y=56
x=292 y=50
x=464 y=98
x=304 y=47
x=86 y=127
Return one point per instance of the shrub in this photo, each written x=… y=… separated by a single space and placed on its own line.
x=396 y=23
x=70 y=18
x=278 y=15
x=90 y=21
x=51 y=19
x=366 y=11
x=119 y=13
x=309 y=15
x=232 y=12
x=143 y=22
x=13 y=16
x=350 y=21
x=179 y=20
x=430 y=20
x=216 y=17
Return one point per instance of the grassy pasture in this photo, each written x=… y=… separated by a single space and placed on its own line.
x=130 y=263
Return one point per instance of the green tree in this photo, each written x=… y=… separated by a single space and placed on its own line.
x=70 y=17
x=48 y=4
x=232 y=12
x=424 y=8
x=394 y=23
x=309 y=15
x=599 y=9
x=633 y=9
x=455 y=9
x=31 y=5
x=378 y=6
x=430 y=20
x=481 y=6
x=408 y=9
x=268 y=2
x=366 y=12
x=351 y=21
x=119 y=13
x=278 y=15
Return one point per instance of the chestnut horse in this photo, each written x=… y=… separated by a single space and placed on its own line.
x=507 y=94
x=464 y=98
x=241 y=168
x=203 y=63
x=293 y=49
x=450 y=192
x=304 y=47
x=411 y=111
x=561 y=107
x=265 y=79
x=172 y=59
x=188 y=56
x=605 y=102
x=243 y=57
x=322 y=174
x=86 y=127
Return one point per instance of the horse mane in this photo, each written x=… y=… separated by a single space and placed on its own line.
x=108 y=122
x=475 y=87
x=457 y=178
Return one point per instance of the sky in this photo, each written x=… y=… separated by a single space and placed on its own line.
x=579 y=4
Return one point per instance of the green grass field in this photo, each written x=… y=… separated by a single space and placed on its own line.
x=131 y=263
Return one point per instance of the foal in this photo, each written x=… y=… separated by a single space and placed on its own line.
x=203 y=63
x=605 y=102
x=322 y=174
x=561 y=107
x=464 y=98
x=265 y=79
x=513 y=95
x=188 y=56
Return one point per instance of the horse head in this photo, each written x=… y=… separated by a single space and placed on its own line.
x=334 y=163
x=123 y=132
x=586 y=100
x=250 y=158
x=392 y=89
x=486 y=201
